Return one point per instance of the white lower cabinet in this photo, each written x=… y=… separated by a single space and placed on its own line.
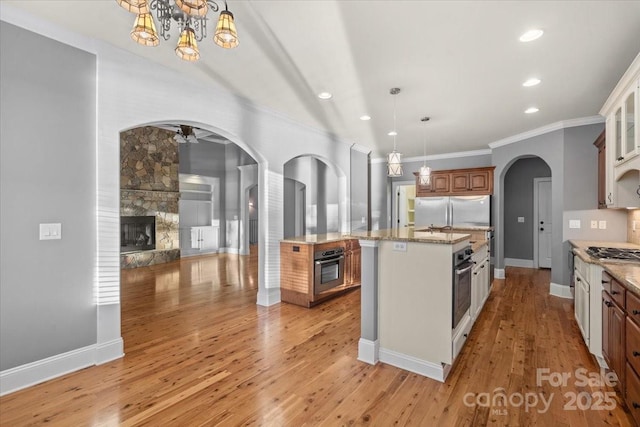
x=581 y=305
x=480 y=285
x=588 y=304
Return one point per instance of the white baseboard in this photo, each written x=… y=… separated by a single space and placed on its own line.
x=112 y=350
x=431 y=370
x=234 y=251
x=368 y=351
x=207 y=252
x=515 y=262
x=498 y=273
x=267 y=297
x=33 y=373
x=560 y=291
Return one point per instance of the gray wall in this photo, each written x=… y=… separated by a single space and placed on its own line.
x=518 y=202
x=381 y=184
x=47 y=175
x=568 y=152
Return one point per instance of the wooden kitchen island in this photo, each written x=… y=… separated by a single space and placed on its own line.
x=407 y=300
x=297 y=267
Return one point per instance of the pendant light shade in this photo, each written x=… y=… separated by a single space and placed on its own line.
x=226 y=35
x=394 y=159
x=144 y=30
x=187 y=48
x=193 y=7
x=394 y=164
x=134 y=6
x=425 y=175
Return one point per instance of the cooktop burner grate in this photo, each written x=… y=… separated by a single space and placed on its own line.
x=614 y=254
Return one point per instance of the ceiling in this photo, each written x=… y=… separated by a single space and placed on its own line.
x=459 y=62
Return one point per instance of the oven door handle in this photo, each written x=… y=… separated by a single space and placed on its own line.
x=326 y=261
x=464 y=270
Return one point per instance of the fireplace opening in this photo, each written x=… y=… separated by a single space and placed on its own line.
x=137 y=233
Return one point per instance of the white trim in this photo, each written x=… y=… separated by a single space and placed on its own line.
x=201 y=253
x=498 y=273
x=33 y=373
x=108 y=351
x=515 y=262
x=234 y=251
x=546 y=129
x=360 y=148
x=268 y=296
x=632 y=73
x=368 y=351
x=560 y=291
x=432 y=370
x=369 y=243
x=482 y=152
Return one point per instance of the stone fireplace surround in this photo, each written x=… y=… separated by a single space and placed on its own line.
x=149 y=186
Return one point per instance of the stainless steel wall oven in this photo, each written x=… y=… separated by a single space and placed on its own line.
x=462 y=266
x=328 y=269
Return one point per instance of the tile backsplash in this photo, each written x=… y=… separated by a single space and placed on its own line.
x=633 y=226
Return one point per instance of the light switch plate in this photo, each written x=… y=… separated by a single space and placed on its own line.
x=594 y=224
x=51 y=231
x=520 y=219
x=400 y=246
x=574 y=223
x=602 y=225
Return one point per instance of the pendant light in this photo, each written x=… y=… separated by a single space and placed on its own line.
x=187 y=48
x=226 y=35
x=144 y=30
x=425 y=171
x=193 y=7
x=134 y=6
x=394 y=159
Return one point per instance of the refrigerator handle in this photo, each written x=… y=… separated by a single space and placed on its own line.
x=450 y=214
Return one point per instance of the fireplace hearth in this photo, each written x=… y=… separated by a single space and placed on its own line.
x=137 y=233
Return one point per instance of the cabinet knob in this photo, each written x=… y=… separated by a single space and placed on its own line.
x=636 y=354
x=605 y=281
x=465 y=335
x=635 y=312
x=614 y=292
x=620 y=158
x=578 y=279
x=607 y=303
x=635 y=405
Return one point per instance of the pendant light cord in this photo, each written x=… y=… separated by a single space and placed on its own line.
x=395 y=132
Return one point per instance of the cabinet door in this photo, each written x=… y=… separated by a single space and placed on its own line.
x=629 y=124
x=617 y=344
x=347 y=268
x=440 y=183
x=480 y=181
x=606 y=341
x=460 y=182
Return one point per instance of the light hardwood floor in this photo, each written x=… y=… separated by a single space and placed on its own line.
x=199 y=351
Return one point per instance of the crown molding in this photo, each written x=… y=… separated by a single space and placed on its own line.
x=473 y=153
x=632 y=73
x=360 y=148
x=546 y=129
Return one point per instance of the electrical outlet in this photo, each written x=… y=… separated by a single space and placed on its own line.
x=602 y=225
x=594 y=223
x=574 y=223
x=51 y=231
x=364 y=220
x=400 y=246
x=520 y=219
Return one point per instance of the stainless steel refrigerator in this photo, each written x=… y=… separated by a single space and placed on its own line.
x=453 y=211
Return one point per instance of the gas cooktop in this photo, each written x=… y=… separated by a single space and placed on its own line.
x=614 y=254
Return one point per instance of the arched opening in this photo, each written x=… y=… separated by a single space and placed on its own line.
x=527 y=213
x=313 y=197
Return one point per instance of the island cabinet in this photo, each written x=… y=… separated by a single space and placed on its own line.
x=457 y=182
x=480 y=284
x=632 y=354
x=297 y=270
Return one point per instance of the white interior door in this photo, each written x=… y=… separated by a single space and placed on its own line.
x=544 y=224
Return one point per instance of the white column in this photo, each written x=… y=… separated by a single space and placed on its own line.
x=369 y=344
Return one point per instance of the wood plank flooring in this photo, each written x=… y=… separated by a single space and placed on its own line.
x=200 y=352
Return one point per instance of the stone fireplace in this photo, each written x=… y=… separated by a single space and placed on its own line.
x=149 y=188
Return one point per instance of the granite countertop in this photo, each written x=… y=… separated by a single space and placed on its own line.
x=628 y=273
x=313 y=239
x=408 y=234
x=467 y=228
x=477 y=244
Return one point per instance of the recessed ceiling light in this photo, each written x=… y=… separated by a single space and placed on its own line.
x=325 y=95
x=365 y=117
x=531 y=35
x=531 y=110
x=392 y=133
x=531 y=82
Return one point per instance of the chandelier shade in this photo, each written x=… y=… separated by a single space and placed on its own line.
x=193 y=7
x=134 y=6
x=144 y=31
x=425 y=175
x=226 y=35
x=187 y=48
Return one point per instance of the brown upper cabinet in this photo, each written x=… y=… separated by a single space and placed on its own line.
x=457 y=182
